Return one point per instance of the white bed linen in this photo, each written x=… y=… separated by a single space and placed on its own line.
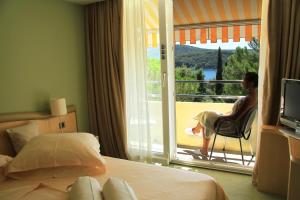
x=147 y=181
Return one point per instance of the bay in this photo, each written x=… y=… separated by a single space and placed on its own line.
x=209 y=74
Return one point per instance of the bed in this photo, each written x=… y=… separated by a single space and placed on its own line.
x=39 y=181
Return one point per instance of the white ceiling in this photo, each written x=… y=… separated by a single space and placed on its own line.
x=83 y=2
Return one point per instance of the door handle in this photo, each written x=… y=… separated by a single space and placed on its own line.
x=164 y=79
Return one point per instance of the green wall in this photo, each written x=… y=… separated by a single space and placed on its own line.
x=42 y=55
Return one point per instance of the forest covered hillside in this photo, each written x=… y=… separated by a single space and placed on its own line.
x=198 y=57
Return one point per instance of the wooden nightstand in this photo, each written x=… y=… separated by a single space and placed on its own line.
x=279 y=162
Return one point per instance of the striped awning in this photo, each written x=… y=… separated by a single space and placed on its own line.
x=202 y=20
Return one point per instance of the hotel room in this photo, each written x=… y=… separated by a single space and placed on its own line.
x=62 y=49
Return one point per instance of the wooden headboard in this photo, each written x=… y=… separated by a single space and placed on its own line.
x=45 y=122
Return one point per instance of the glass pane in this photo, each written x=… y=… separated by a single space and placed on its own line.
x=154 y=74
x=196 y=67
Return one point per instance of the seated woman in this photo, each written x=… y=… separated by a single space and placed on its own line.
x=207 y=119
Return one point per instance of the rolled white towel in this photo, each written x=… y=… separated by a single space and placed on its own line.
x=117 y=189
x=86 y=188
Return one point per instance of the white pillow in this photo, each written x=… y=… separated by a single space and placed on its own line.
x=85 y=188
x=116 y=189
x=58 y=155
x=20 y=135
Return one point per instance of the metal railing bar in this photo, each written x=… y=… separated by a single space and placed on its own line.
x=157 y=95
x=210 y=81
x=211 y=96
x=199 y=96
x=201 y=81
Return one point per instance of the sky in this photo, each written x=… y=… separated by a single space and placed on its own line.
x=227 y=45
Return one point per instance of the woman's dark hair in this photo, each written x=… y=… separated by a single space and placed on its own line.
x=252 y=77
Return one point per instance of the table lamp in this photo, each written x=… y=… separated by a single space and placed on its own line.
x=58 y=108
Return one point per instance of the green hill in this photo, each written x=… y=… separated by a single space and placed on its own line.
x=198 y=57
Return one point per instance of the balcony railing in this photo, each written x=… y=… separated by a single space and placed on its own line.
x=209 y=83
x=196 y=94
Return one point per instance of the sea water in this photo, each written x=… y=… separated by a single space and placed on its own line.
x=209 y=74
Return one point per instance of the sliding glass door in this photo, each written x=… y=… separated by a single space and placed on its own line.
x=160 y=64
x=155 y=123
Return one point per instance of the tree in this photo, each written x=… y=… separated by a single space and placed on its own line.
x=186 y=73
x=199 y=77
x=242 y=61
x=201 y=88
x=254 y=44
x=219 y=86
x=153 y=77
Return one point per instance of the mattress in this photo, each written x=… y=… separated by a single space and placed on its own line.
x=148 y=182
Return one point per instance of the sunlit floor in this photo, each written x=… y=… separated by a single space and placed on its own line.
x=229 y=158
x=237 y=186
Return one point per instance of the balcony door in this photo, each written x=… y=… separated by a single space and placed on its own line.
x=161 y=79
x=167 y=77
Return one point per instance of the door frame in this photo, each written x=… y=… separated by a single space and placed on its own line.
x=166 y=29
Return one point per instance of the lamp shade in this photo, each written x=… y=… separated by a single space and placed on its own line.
x=58 y=107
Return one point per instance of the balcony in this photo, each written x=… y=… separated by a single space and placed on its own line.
x=186 y=109
x=187 y=144
x=184 y=119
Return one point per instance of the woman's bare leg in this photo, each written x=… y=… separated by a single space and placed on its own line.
x=205 y=144
x=197 y=129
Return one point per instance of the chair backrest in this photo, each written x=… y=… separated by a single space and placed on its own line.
x=237 y=128
x=246 y=122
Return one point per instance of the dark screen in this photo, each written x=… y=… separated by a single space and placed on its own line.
x=292 y=100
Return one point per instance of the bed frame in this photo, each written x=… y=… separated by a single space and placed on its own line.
x=45 y=122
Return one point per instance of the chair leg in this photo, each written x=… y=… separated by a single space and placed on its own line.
x=212 y=148
x=241 y=151
x=224 y=149
x=252 y=154
x=225 y=144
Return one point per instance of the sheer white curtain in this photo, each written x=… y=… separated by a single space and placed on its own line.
x=135 y=63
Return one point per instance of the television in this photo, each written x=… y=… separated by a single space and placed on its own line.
x=290 y=103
